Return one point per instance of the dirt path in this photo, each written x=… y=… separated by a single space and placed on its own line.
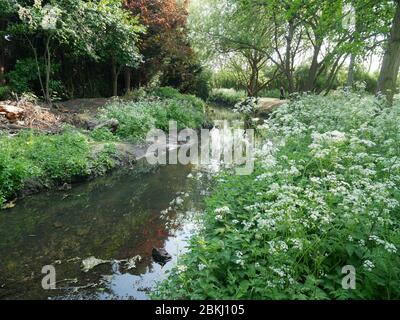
x=267 y=105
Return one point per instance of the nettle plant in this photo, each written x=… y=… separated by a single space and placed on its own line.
x=324 y=195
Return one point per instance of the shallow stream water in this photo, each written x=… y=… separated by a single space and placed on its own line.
x=114 y=218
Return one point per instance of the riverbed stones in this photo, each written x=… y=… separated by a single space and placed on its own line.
x=161 y=256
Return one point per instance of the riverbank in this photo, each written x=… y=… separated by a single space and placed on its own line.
x=85 y=145
x=324 y=195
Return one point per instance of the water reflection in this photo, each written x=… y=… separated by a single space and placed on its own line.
x=115 y=217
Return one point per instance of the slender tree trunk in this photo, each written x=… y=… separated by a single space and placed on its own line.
x=114 y=75
x=2 y=55
x=350 y=74
x=288 y=57
x=251 y=90
x=2 y=64
x=312 y=72
x=39 y=73
x=127 y=79
x=48 y=71
x=391 y=60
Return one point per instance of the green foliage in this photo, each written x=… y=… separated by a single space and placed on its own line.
x=273 y=93
x=24 y=77
x=97 y=30
x=48 y=158
x=324 y=194
x=226 y=78
x=167 y=93
x=171 y=93
x=200 y=85
x=137 y=118
x=370 y=80
x=104 y=160
x=103 y=134
x=226 y=97
x=4 y=92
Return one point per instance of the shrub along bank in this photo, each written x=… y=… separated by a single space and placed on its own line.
x=153 y=110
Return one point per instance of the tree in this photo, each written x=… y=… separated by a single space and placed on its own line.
x=102 y=30
x=6 y=10
x=165 y=46
x=116 y=37
x=240 y=36
x=391 y=61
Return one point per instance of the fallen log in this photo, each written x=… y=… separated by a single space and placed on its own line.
x=111 y=124
x=11 y=127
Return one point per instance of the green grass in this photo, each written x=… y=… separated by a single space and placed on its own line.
x=48 y=159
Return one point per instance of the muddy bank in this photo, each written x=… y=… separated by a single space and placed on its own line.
x=127 y=157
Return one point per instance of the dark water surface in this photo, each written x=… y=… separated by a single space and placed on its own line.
x=112 y=218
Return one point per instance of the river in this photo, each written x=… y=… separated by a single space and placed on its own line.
x=114 y=218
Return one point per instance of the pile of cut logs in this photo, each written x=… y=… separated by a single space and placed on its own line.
x=15 y=116
x=12 y=113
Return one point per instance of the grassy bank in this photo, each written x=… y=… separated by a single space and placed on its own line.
x=149 y=110
x=227 y=98
x=324 y=195
x=32 y=157
x=33 y=160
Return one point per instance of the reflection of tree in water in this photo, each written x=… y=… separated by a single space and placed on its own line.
x=115 y=217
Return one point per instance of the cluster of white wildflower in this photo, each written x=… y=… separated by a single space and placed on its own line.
x=239 y=258
x=201 y=266
x=368 y=265
x=249 y=106
x=181 y=268
x=222 y=210
x=178 y=201
x=50 y=17
x=389 y=247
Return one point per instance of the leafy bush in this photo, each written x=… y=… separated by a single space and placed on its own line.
x=4 y=92
x=171 y=93
x=24 y=78
x=137 y=118
x=273 y=93
x=324 y=195
x=226 y=97
x=167 y=93
x=226 y=78
x=102 y=134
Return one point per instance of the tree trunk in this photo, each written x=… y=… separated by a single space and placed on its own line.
x=2 y=64
x=127 y=80
x=350 y=74
x=2 y=56
x=391 y=60
x=114 y=75
x=312 y=72
x=48 y=71
x=288 y=57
